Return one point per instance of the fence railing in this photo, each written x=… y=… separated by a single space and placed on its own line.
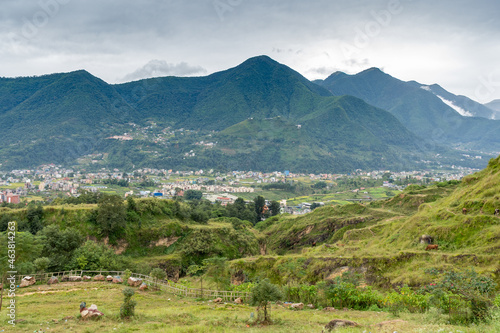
x=166 y=285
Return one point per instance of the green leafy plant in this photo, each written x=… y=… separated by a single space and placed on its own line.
x=127 y=309
x=126 y=274
x=408 y=299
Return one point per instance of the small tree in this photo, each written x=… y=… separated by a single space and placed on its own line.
x=197 y=270
x=158 y=274
x=127 y=309
x=262 y=294
x=126 y=275
x=217 y=269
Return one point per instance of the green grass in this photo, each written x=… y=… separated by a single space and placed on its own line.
x=158 y=311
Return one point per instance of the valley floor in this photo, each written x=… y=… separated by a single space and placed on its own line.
x=42 y=308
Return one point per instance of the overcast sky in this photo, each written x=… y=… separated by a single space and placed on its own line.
x=453 y=43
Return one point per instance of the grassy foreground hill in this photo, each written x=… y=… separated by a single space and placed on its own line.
x=368 y=254
x=382 y=239
x=56 y=309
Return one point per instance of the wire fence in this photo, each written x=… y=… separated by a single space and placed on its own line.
x=166 y=285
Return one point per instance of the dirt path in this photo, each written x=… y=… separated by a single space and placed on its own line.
x=52 y=291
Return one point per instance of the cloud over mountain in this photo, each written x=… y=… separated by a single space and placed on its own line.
x=157 y=68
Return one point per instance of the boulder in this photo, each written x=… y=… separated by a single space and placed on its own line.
x=297 y=306
x=109 y=278
x=143 y=286
x=27 y=281
x=218 y=300
x=238 y=300
x=89 y=313
x=329 y=309
x=426 y=239
x=99 y=277
x=336 y=323
x=134 y=282
x=310 y=306
x=117 y=279
x=75 y=278
x=86 y=278
x=64 y=278
x=53 y=280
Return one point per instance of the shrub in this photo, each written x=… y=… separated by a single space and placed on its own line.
x=406 y=299
x=497 y=301
x=127 y=309
x=41 y=264
x=303 y=293
x=465 y=296
x=341 y=293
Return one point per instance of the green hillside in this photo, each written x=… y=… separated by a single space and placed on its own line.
x=343 y=133
x=419 y=110
x=477 y=232
x=59 y=118
x=382 y=239
x=259 y=87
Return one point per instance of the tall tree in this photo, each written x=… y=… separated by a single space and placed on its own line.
x=193 y=195
x=275 y=208
x=34 y=216
x=111 y=216
x=59 y=245
x=259 y=202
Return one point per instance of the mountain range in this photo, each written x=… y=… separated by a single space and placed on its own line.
x=260 y=115
x=428 y=111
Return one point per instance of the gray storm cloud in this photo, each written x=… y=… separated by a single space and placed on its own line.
x=447 y=42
